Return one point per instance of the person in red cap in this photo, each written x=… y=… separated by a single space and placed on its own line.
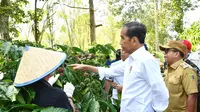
x=188 y=45
x=188 y=61
x=187 y=54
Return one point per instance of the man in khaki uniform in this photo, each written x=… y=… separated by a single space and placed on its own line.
x=180 y=79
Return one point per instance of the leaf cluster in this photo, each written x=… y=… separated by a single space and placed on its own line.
x=89 y=94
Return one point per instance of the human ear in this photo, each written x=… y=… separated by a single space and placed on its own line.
x=134 y=40
x=177 y=54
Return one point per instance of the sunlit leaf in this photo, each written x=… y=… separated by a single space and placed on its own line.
x=94 y=107
x=6 y=47
x=12 y=92
x=23 y=106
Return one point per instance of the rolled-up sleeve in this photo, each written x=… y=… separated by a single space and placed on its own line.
x=115 y=71
x=160 y=94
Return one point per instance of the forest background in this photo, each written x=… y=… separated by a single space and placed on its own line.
x=82 y=23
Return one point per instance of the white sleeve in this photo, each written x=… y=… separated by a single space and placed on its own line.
x=195 y=58
x=114 y=71
x=153 y=77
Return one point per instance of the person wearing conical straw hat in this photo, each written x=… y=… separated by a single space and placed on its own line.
x=37 y=65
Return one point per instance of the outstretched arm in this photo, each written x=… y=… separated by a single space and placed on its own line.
x=115 y=71
x=85 y=67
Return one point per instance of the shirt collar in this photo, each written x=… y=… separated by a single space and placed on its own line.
x=176 y=64
x=137 y=53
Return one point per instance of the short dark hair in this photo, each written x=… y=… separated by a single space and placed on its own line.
x=182 y=54
x=136 y=29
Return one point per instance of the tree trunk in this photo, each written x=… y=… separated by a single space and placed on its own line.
x=92 y=22
x=156 y=24
x=36 y=25
x=4 y=22
x=50 y=23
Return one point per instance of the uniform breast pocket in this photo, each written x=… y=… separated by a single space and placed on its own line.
x=174 y=84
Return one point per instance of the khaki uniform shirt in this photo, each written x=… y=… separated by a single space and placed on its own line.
x=181 y=80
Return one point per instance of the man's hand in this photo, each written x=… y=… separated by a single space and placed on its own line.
x=84 y=67
x=69 y=89
x=77 y=66
x=119 y=88
x=114 y=85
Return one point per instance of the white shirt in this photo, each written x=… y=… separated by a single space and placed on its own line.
x=195 y=58
x=118 y=80
x=143 y=87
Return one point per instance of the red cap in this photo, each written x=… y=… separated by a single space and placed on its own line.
x=188 y=44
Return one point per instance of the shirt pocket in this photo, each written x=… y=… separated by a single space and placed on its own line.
x=174 y=84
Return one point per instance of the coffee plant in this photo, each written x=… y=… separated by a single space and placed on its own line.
x=89 y=94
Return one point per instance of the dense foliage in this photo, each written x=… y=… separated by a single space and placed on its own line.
x=89 y=95
x=193 y=35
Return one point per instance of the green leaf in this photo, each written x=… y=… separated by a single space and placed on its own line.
x=117 y=103
x=85 y=90
x=94 y=107
x=119 y=94
x=24 y=106
x=20 y=98
x=7 y=80
x=109 y=46
x=52 y=109
x=6 y=47
x=85 y=106
x=12 y=92
x=31 y=94
x=58 y=83
x=63 y=47
x=70 y=77
x=87 y=99
x=76 y=49
x=105 y=103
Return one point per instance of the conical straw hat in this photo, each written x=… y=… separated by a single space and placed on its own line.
x=36 y=63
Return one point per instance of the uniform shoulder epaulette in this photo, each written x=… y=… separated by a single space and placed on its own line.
x=185 y=65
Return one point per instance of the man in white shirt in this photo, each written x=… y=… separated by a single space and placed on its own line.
x=118 y=81
x=112 y=63
x=143 y=87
